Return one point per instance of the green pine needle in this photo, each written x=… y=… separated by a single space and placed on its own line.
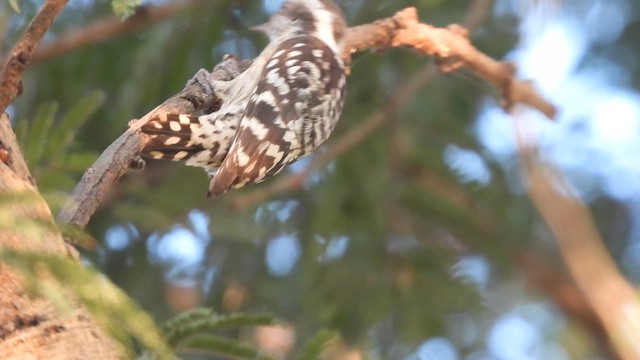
x=313 y=349
x=35 y=138
x=124 y=8
x=218 y=345
x=199 y=321
x=14 y=5
x=63 y=135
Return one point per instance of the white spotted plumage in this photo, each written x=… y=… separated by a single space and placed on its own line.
x=280 y=109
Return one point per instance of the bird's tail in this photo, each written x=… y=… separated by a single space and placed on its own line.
x=171 y=137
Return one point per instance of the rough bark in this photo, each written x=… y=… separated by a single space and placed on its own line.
x=32 y=328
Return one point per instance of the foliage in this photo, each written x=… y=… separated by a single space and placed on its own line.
x=13 y=220
x=377 y=244
x=48 y=144
x=218 y=345
x=124 y=8
x=389 y=270
x=202 y=320
x=14 y=5
x=315 y=346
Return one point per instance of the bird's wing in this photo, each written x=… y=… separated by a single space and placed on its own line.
x=285 y=117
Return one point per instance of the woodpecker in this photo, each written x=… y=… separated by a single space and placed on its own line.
x=284 y=106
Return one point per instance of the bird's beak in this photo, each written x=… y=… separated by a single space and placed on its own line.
x=262 y=28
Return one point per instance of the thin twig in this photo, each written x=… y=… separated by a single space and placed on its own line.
x=477 y=13
x=107 y=28
x=21 y=54
x=452 y=49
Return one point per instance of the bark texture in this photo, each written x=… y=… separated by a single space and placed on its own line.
x=33 y=328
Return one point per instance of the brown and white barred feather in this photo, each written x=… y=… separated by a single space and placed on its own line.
x=280 y=109
x=293 y=111
x=198 y=141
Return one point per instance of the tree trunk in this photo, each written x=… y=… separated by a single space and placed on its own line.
x=33 y=328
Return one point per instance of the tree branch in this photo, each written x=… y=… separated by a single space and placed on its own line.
x=452 y=49
x=562 y=289
x=614 y=301
x=21 y=54
x=450 y=46
x=122 y=153
x=107 y=28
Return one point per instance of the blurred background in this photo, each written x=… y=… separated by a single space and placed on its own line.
x=419 y=241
